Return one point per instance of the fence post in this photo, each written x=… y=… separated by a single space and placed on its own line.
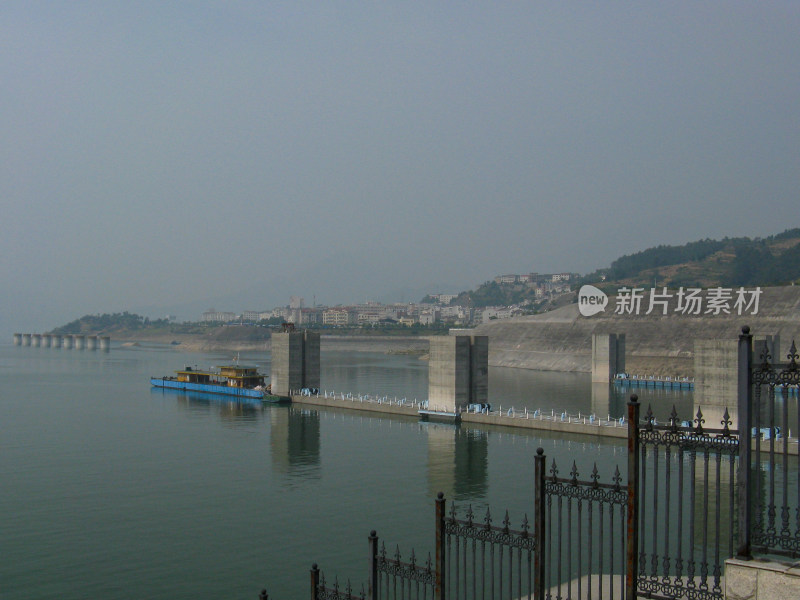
x=373 y=565
x=745 y=401
x=439 y=591
x=539 y=524
x=632 y=564
x=314 y=581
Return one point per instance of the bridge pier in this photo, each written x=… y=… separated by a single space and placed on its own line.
x=608 y=356
x=458 y=372
x=295 y=361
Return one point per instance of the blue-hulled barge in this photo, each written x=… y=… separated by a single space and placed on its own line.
x=242 y=381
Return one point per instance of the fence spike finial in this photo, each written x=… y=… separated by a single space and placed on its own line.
x=413 y=559
x=574 y=473
x=470 y=515
x=649 y=418
x=617 y=479
x=525 y=525
x=673 y=420
x=488 y=519
x=699 y=420
x=793 y=356
x=765 y=356
x=554 y=470
x=506 y=523
x=595 y=476
x=397 y=553
x=726 y=423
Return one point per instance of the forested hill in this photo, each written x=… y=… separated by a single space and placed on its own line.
x=108 y=323
x=770 y=261
x=729 y=262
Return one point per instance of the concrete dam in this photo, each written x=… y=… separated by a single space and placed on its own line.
x=561 y=340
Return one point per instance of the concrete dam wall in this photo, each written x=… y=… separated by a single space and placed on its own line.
x=561 y=340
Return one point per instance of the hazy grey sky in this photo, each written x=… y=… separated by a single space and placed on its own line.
x=176 y=155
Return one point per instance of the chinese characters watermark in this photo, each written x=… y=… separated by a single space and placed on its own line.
x=662 y=301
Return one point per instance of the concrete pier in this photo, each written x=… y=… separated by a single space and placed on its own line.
x=105 y=343
x=47 y=340
x=26 y=339
x=91 y=342
x=458 y=372
x=66 y=341
x=17 y=339
x=36 y=340
x=55 y=341
x=79 y=341
x=608 y=356
x=295 y=361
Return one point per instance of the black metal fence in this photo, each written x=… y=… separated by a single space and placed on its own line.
x=482 y=560
x=768 y=411
x=586 y=536
x=688 y=484
x=695 y=496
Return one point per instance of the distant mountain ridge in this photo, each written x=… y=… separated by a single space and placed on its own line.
x=729 y=262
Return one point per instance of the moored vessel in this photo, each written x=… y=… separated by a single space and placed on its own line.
x=242 y=381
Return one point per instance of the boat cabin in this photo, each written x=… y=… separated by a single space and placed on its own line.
x=240 y=376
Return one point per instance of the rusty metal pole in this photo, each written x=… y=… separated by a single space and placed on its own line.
x=745 y=401
x=439 y=591
x=314 y=582
x=373 y=565
x=632 y=564
x=539 y=524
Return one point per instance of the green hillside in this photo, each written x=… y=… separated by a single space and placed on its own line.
x=730 y=262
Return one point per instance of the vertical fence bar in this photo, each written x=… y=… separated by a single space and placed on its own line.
x=538 y=525
x=632 y=567
x=439 y=590
x=745 y=401
x=314 y=581
x=372 y=540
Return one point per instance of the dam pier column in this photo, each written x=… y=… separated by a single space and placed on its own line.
x=295 y=361
x=608 y=356
x=458 y=372
x=17 y=339
x=716 y=372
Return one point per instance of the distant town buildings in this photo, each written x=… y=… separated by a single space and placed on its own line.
x=437 y=309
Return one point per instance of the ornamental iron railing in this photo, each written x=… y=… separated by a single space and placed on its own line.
x=769 y=514
x=695 y=496
x=687 y=486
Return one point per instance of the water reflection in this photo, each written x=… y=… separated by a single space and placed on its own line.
x=229 y=411
x=458 y=461
x=295 y=441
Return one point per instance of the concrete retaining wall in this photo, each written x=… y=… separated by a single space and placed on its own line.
x=761 y=580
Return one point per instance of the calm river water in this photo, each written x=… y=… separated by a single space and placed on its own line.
x=112 y=489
